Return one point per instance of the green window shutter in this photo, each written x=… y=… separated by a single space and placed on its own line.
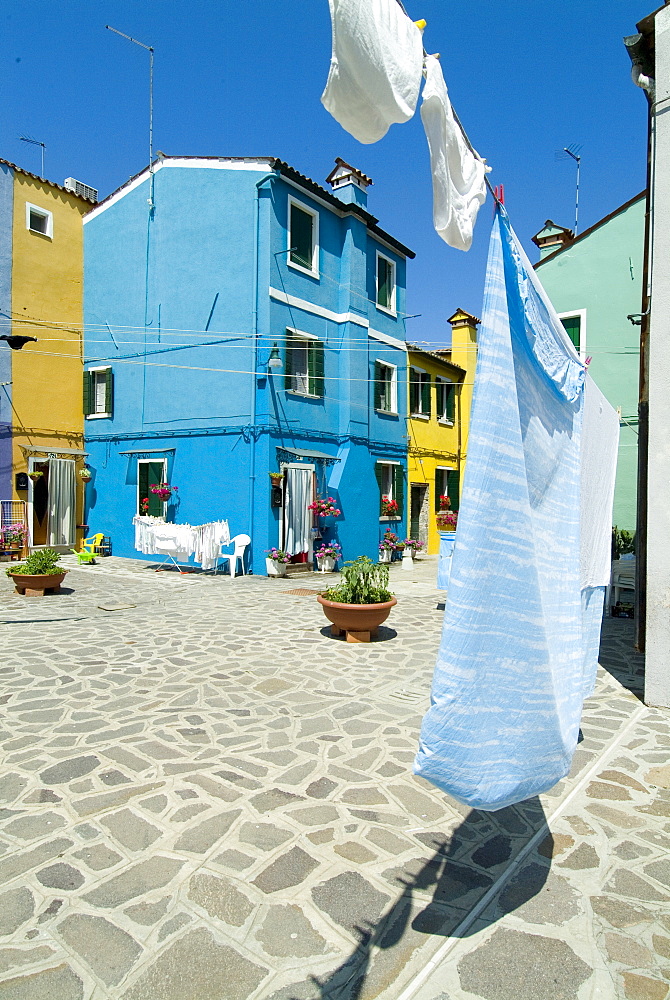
x=425 y=394
x=315 y=360
x=439 y=487
x=413 y=391
x=109 y=391
x=380 y=389
x=572 y=325
x=451 y=402
x=88 y=393
x=380 y=484
x=399 y=488
x=288 y=364
x=302 y=226
x=453 y=487
x=150 y=474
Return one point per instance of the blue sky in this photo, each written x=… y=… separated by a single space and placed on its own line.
x=244 y=79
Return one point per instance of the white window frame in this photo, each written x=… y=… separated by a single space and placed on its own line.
x=420 y=371
x=309 y=338
x=445 y=421
x=394 y=387
x=392 y=311
x=314 y=271
x=45 y=214
x=389 y=465
x=150 y=461
x=581 y=314
x=102 y=415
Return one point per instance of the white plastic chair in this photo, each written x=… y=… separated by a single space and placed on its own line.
x=240 y=542
x=623 y=578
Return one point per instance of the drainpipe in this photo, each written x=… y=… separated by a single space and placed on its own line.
x=254 y=354
x=641 y=74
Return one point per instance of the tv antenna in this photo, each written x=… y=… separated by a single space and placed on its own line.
x=150 y=50
x=572 y=152
x=35 y=142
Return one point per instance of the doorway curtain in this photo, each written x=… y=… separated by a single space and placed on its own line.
x=298 y=519
x=61 y=502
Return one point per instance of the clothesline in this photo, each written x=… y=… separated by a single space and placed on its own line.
x=178 y=542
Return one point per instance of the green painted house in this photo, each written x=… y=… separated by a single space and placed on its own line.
x=594 y=281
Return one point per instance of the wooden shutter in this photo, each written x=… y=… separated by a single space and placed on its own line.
x=399 y=488
x=150 y=474
x=453 y=487
x=288 y=363
x=315 y=360
x=451 y=402
x=88 y=393
x=439 y=487
x=109 y=391
x=302 y=226
x=425 y=394
x=413 y=391
x=379 y=387
x=379 y=473
x=572 y=326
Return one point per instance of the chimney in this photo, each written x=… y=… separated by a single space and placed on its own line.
x=348 y=183
x=552 y=238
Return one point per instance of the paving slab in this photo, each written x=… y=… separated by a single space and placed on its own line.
x=205 y=795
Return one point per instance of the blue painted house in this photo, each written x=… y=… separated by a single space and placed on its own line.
x=242 y=319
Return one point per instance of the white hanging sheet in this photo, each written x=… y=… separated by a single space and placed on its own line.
x=375 y=68
x=459 y=186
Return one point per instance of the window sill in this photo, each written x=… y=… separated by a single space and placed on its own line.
x=445 y=423
x=38 y=232
x=420 y=416
x=304 y=270
x=98 y=416
x=387 y=413
x=302 y=395
x=388 y=312
x=387 y=517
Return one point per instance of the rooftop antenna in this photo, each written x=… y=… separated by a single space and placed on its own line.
x=572 y=152
x=150 y=50
x=35 y=142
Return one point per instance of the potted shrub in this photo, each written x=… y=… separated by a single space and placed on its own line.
x=389 y=507
x=446 y=518
x=415 y=546
x=85 y=475
x=360 y=602
x=276 y=561
x=327 y=556
x=39 y=572
x=13 y=538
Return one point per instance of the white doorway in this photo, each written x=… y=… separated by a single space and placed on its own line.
x=52 y=502
x=296 y=525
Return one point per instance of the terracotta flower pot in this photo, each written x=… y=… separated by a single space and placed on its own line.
x=37 y=582
x=359 y=621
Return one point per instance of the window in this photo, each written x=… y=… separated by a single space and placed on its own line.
x=385 y=283
x=150 y=473
x=445 y=393
x=98 y=393
x=386 y=387
x=447 y=483
x=39 y=220
x=390 y=479
x=575 y=327
x=303 y=238
x=419 y=392
x=304 y=364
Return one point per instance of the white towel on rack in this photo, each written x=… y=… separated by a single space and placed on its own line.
x=459 y=185
x=375 y=68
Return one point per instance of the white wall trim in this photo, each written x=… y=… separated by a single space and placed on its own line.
x=189 y=162
x=302 y=334
x=310 y=307
x=389 y=310
x=385 y=339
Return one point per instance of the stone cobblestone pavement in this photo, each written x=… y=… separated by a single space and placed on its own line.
x=205 y=797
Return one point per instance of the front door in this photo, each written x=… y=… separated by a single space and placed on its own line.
x=52 y=500
x=40 y=502
x=297 y=536
x=418 y=512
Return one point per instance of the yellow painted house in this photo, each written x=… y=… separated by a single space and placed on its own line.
x=41 y=317
x=440 y=387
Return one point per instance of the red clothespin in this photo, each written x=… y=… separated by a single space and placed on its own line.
x=499 y=191
x=588 y=362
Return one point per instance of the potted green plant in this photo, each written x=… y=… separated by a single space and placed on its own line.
x=13 y=538
x=360 y=602
x=387 y=546
x=38 y=573
x=85 y=475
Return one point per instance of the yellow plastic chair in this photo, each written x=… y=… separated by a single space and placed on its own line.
x=92 y=544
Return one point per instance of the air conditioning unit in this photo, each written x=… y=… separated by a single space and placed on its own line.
x=83 y=190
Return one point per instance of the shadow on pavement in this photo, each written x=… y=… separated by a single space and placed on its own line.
x=438 y=894
x=618 y=655
x=383 y=634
